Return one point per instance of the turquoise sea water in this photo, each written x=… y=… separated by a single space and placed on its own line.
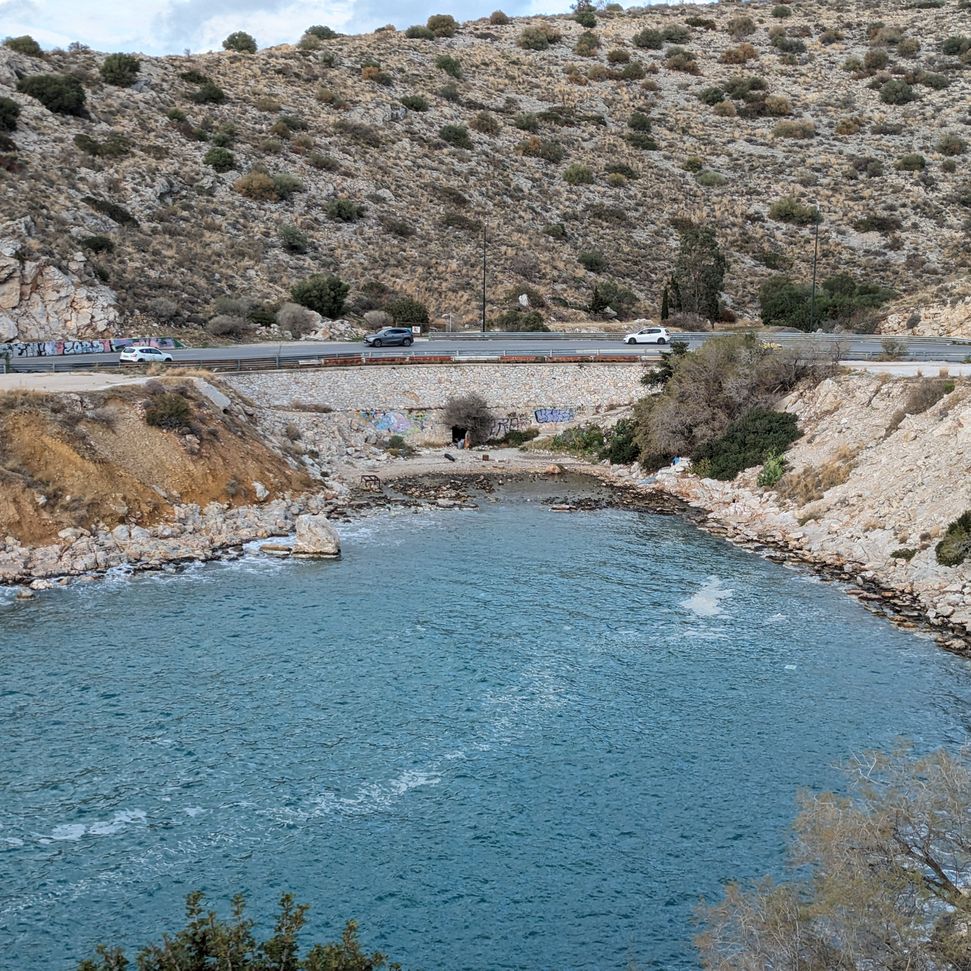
x=498 y=739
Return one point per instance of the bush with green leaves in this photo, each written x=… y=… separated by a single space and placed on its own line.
x=538 y=38
x=952 y=144
x=24 y=45
x=208 y=93
x=455 y=135
x=547 y=149
x=587 y=45
x=593 y=260
x=794 y=212
x=169 y=410
x=208 y=941
x=9 y=113
x=61 y=93
x=841 y=301
x=609 y=295
x=407 y=311
x=221 y=159
x=344 y=210
x=911 y=162
x=293 y=239
x=325 y=293
x=748 y=441
x=415 y=102
x=97 y=244
x=519 y=320
x=648 y=39
x=120 y=70
x=578 y=174
x=442 y=25
x=419 y=32
x=450 y=65
x=486 y=123
x=499 y=19
x=321 y=32
x=241 y=42
x=955 y=547
x=584 y=441
x=112 y=210
x=896 y=91
x=773 y=469
x=620 y=443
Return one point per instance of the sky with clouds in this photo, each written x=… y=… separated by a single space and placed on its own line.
x=171 y=26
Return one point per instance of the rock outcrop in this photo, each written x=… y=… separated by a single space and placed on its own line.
x=40 y=302
x=316 y=537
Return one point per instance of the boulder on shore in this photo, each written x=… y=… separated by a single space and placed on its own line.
x=316 y=537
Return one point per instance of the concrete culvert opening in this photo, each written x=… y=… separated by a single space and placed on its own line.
x=458 y=434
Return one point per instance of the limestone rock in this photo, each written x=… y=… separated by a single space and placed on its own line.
x=316 y=537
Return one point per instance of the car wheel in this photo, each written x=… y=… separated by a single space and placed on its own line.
x=661 y=340
x=375 y=343
x=630 y=340
x=408 y=341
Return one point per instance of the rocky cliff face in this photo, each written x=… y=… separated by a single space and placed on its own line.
x=381 y=156
x=39 y=301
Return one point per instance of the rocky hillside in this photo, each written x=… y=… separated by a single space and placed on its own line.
x=378 y=157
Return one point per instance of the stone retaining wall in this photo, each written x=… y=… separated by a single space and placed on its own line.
x=592 y=388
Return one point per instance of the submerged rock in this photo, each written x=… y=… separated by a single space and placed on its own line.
x=316 y=537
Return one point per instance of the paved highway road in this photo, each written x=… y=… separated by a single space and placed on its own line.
x=848 y=347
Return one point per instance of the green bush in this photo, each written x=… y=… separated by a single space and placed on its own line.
x=97 y=244
x=168 y=409
x=638 y=121
x=499 y=19
x=415 y=102
x=221 y=159
x=578 y=174
x=442 y=25
x=455 y=135
x=112 y=210
x=585 y=441
x=325 y=293
x=538 y=38
x=344 y=210
x=620 y=443
x=485 y=123
x=641 y=140
x=209 y=942
x=9 y=113
x=790 y=210
x=955 y=547
x=749 y=441
x=450 y=92
x=60 y=93
x=912 y=162
x=648 y=39
x=208 y=93
x=610 y=295
x=956 y=45
x=781 y=11
x=896 y=92
x=547 y=149
x=676 y=34
x=406 y=311
x=115 y=145
x=24 y=45
x=773 y=469
x=840 y=300
x=293 y=239
x=450 y=65
x=588 y=43
x=951 y=145
x=120 y=70
x=593 y=260
x=321 y=32
x=419 y=32
x=241 y=42
x=586 y=18
x=518 y=320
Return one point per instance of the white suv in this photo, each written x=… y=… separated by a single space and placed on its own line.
x=139 y=354
x=649 y=335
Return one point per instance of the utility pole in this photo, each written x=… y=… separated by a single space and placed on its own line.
x=812 y=299
x=483 y=276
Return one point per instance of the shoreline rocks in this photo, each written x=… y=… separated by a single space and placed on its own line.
x=315 y=537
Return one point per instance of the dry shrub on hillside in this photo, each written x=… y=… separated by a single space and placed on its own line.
x=923 y=395
x=811 y=483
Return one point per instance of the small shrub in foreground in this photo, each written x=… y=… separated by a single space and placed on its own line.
x=955 y=547
x=749 y=441
x=169 y=409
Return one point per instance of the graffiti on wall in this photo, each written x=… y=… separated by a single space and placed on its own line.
x=503 y=426
x=550 y=416
x=59 y=348
x=394 y=422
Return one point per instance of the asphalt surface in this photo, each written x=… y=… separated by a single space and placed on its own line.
x=471 y=346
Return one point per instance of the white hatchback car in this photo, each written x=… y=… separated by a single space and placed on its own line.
x=139 y=354
x=649 y=335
